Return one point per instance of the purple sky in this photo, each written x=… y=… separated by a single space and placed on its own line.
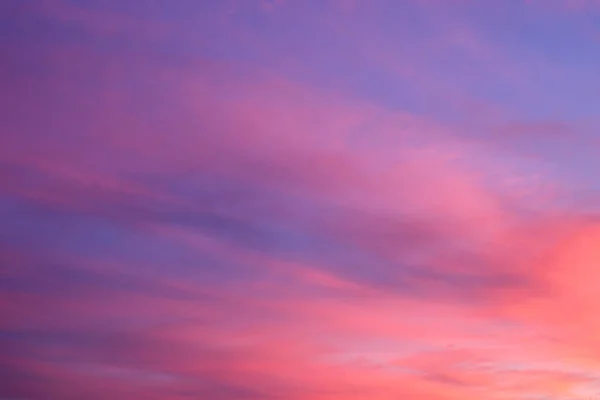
x=299 y=199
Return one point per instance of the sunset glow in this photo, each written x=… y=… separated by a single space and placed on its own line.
x=299 y=199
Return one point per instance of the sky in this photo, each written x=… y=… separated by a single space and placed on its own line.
x=299 y=199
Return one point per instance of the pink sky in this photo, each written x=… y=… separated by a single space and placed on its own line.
x=299 y=199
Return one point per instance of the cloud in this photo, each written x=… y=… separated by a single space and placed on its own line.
x=193 y=224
